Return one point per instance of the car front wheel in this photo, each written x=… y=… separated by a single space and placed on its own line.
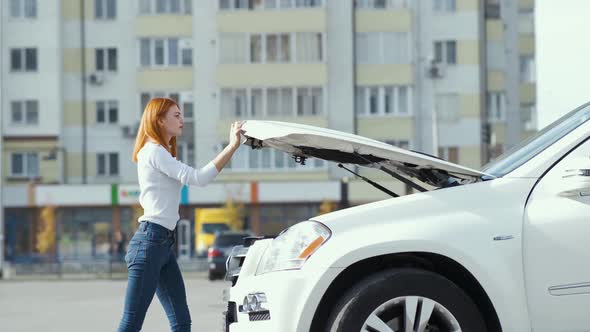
x=406 y=300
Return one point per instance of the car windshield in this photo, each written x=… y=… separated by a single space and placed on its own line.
x=214 y=228
x=229 y=240
x=529 y=148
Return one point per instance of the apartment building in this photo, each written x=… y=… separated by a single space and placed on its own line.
x=454 y=78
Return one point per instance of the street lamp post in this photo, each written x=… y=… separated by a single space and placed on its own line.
x=344 y=202
x=1 y=151
x=84 y=92
x=1 y=187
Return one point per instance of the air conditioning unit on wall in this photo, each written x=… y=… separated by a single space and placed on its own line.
x=96 y=78
x=185 y=43
x=130 y=131
x=436 y=70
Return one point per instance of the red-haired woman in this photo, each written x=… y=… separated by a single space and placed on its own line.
x=150 y=259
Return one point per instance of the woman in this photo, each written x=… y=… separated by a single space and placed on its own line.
x=150 y=259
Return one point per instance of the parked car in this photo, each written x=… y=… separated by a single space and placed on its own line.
x=502 y=249
x=217 y=254
x=209 y=221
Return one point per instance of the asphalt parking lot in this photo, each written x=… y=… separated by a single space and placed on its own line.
x=97 y=305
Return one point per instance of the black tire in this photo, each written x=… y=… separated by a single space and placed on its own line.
x=353 y=309
x=212 y=276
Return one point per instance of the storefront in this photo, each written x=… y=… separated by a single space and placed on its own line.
x=95 y=222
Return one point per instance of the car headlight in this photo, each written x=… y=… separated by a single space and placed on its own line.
x=293 y=247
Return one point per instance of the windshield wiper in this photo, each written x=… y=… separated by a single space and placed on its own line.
x=374 y=184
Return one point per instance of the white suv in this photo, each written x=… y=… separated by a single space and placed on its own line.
x=504 y=249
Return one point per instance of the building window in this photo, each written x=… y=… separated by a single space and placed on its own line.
x=444 y=6
x=526 y=25
x=105 y=9
x=272 y=102
x=185 y=152
x=492 y=9
x=496 y=105
x=380 y=4
x=187 y=104
x=449 y=153
x=496 y=150
x=404 y=144
x=301 y=3
x=238 y=48
x=309 y=47
x=268 y=4
x=309 y=101
x=107 y=164
x=186 y=53
x=447 y=108
x=106 y=59
x=23 y=59
x=269 y=160
x=528 y=117
x=527 y=68
x=25 y=112
x=383 y=48
x=167 y=52
x=23 y=8
x=107 y=112
x=24 y=164
x=304 y=47
x=526 y=20
x=383 y=101
x=234 y=103
x=160 y=7
x=278 y=48
x=184 y=100
x=182 y=151
x=445 y=52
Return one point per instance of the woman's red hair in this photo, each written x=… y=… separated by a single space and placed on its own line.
x=155 y=110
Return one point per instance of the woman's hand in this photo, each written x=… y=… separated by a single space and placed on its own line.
x=235 y=134
x=234 y=143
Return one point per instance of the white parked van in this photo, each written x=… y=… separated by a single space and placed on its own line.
x=503 y=249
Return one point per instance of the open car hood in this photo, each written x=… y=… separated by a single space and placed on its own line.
x=304 y=142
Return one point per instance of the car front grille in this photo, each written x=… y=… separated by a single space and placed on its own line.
x=259 y=316
x=229 y=316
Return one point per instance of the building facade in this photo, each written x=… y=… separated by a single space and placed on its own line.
x=453 y=78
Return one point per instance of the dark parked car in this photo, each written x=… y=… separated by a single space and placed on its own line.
x=219 y=251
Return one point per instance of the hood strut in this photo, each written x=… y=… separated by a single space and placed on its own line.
x=395 y=175
x=373 y=183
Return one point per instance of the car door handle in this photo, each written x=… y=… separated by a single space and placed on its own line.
x=573 y=193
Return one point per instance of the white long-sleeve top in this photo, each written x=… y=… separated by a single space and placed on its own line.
x=161 y=177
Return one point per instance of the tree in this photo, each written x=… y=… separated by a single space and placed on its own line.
x=327 y=206
x=137 y=211
x=46 y=232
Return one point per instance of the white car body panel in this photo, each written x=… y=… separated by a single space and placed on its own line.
x=519 y=236
x=497 y=265
x=431 y=222
x=289 y=292
x=293 y=138
x=556 y=249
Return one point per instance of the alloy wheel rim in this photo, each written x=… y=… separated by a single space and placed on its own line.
x=411 y=314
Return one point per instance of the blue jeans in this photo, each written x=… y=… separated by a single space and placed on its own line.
x=153 y=269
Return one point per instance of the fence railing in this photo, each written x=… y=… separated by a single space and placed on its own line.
x=83 y=268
